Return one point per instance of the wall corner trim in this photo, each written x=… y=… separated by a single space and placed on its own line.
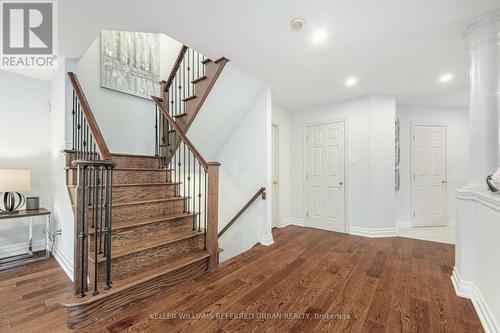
x=403 y=224
x=373 y=232
x=267 y=240
x=286 y=221
x=468 y=289
x=63 y=262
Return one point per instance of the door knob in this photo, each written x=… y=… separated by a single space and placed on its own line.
x=341 y=182
x=275 y=182
x=444 y=181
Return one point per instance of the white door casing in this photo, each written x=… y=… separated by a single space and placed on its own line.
x=275 y=176
x=428 y=175
x=325 y=176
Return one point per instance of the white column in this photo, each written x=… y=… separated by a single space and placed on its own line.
x=484 y=39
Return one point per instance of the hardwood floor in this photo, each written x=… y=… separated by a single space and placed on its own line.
x=338 y=283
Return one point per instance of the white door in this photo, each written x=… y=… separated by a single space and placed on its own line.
x=325 y=176
x=275 y=166
x=428 y=175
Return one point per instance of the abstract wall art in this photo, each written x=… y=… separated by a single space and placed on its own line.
x=130 y=62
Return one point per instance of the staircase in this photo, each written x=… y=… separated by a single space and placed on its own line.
x=143 y=224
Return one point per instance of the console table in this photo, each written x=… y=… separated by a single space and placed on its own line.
x=30 y=256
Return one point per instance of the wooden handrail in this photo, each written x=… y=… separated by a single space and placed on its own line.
x=177 y=64
x=179 y=132
x=92 y=123
x=260 y=192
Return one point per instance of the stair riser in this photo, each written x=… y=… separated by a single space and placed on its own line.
x=125 y=266
x=128 y=177
x=137 y=162
x=123 y=194
x=148 y=192
x=149 y=230
x=130 y=212
x=125 y=161
x=84 y=315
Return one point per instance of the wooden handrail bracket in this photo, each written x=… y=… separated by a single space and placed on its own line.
x=260 y=193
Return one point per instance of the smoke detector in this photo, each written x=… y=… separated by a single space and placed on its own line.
x=298 y=23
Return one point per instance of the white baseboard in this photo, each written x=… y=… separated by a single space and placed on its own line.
x=63 y=262
x=468 y=289
x=286 y=221
x=404 y=224
x=267 y=240
x=373 y=232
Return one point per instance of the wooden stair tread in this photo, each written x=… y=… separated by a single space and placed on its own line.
x=180 y=115
x=119 y=154
x=135 y=155
x=130 y=169
x=136 y=279
x=129 y=224
x=188 y=98
x=120 y=249
x=206 y=61
x=138 y=184
x=201 y=78
x=142 y=202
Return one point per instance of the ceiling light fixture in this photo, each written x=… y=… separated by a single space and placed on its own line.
x=318 y=37
x=298 y=23
x=351 y=81
x=446 y=77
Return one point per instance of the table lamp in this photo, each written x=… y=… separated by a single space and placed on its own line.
x=11 y=183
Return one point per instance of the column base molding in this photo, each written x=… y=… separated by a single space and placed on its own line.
x=469 y=290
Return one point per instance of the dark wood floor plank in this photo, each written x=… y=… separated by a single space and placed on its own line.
x=334 y=282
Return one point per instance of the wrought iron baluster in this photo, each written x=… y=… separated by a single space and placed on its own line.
x=179 y=168
x=78 y=133
x=83 y=232
x=73 y=113
x=96 y=227
x=199 y=196
x=193 y=199
x=101 y=208
x=107 y=228
x=184 y=175
x=205 y=213
x=189 y=181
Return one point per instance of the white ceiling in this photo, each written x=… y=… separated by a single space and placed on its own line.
x=394 y=47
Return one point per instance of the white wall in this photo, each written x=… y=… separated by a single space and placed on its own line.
x=24 y=144
x=60 y=139
x=281 y=117
x=126 y=121
x=476 y=272
x=233 y=128
x=457 y=124
x=370 y=144
x=243 y=171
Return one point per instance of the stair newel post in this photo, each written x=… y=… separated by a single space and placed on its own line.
x=80 y=254
x=213 y=215
x=107 y=224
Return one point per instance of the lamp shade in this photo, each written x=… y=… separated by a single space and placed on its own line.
x=15 y=180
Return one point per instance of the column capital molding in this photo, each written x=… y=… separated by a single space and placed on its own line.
x=484 y=29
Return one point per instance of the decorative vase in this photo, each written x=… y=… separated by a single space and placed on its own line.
x=493 y=182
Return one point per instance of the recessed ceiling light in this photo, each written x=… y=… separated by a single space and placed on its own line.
x=446 y=77
x=351 y=81
x=298 y=23
x=318 y=37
